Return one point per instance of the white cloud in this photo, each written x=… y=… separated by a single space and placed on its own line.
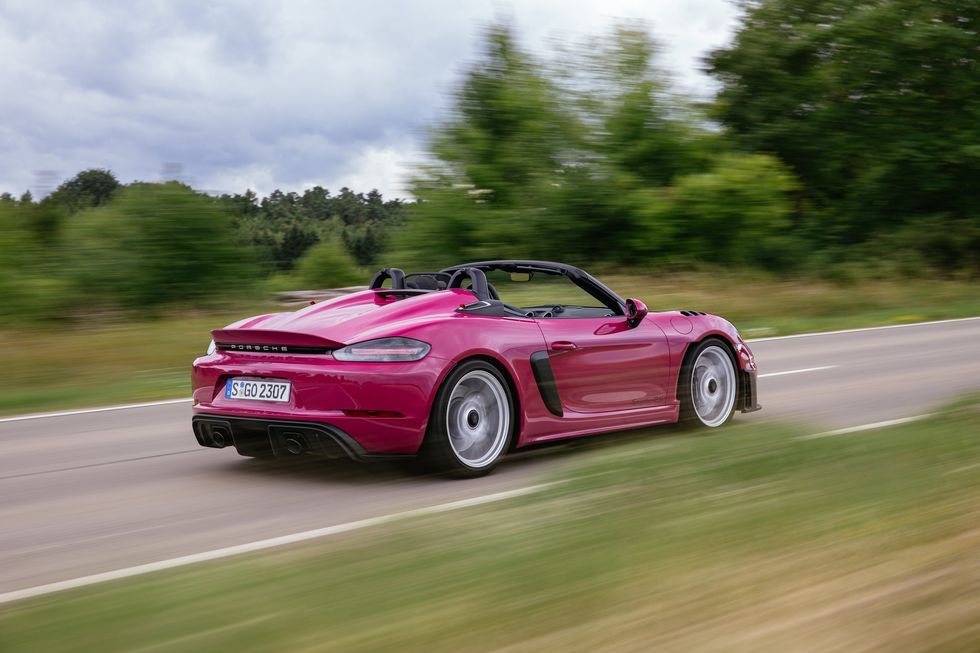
x=271 y=94
x=386 y=168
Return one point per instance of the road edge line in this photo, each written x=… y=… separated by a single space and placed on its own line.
x=799 y=371
x=860 y=329
x=260 y=545
x=867 y=427
x=100 y=409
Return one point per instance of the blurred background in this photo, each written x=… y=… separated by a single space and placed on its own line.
x=794 y=165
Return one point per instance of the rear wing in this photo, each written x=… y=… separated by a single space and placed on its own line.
x=272 y=341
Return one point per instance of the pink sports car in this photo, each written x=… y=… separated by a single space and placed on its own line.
x=460 y=366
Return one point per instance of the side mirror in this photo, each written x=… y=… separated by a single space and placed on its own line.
x=635 y=311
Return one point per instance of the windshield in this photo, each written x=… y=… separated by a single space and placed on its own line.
x=546 y=295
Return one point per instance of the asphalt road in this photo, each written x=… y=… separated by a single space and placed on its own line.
x=87 y=493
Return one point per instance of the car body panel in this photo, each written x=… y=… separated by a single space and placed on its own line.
x=614 y=377
x=602 y=365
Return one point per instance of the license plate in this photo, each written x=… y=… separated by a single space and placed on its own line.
x=257 y=390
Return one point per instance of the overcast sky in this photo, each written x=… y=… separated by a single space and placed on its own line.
x=272 y=94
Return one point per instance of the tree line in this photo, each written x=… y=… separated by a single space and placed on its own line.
x=95 y=245
x=843 y=140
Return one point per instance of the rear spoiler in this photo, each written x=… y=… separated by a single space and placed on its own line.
x=271 y=341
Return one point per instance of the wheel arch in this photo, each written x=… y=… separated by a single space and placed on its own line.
x=721 y=337
x=689 y=350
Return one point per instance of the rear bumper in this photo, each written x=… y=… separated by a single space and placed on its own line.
x=370 y=408
x=261 y=438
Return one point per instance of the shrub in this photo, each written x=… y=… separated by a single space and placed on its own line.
x=156 y=244
x=327 y=265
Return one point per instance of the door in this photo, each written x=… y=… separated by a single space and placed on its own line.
x=603 y=365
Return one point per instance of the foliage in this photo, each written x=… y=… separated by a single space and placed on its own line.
x=874 y=105
x=737 y=213
x=156 y=244
x=327 y=265
x=27 y=288
x=87 y=189
x=95 y=245
x=283 y=226
x=590 y=161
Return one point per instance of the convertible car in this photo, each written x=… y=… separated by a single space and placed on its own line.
x=460 y=366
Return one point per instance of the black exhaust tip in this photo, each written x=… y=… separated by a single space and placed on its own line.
x=218 y=438
x=294 y=445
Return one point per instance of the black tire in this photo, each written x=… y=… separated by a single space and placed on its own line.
x=688 y=390
x=441 y=450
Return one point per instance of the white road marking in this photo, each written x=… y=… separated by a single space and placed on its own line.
x=866 y=427
x=800 y=371
x=260 y=545
x=83 y=411
x=876 y=328
x=347 y=527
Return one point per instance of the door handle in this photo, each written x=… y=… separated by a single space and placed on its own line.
x=563 y=345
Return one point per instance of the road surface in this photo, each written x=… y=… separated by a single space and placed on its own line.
x=93 y=492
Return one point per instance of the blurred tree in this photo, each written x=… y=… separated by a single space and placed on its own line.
x=328 y=265
x=638 y=136
x=87 y=189
x=737 y=213
x=590 y=160
x=499 y=161
x=28 y=286
x=874 y=104
x=509 y=134
x=317 y=203
x=294 y=241
x=637 y=124
x=156 y=244
x=283 y=226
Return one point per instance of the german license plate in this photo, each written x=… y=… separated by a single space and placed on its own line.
x=257 y=390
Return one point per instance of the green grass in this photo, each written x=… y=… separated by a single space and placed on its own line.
x=50 y=368
x=743 y=540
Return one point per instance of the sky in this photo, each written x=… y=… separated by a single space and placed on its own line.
x=273 y=94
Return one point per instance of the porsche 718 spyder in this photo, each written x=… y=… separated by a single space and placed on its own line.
x=460 y=366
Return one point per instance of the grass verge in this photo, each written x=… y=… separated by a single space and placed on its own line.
x=745 y=540
x=138 y=361
x=121 y=362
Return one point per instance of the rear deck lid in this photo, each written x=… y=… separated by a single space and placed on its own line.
x=272 y=341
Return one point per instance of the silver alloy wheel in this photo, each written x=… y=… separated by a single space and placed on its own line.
x=478 y=419
x=713 y=386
